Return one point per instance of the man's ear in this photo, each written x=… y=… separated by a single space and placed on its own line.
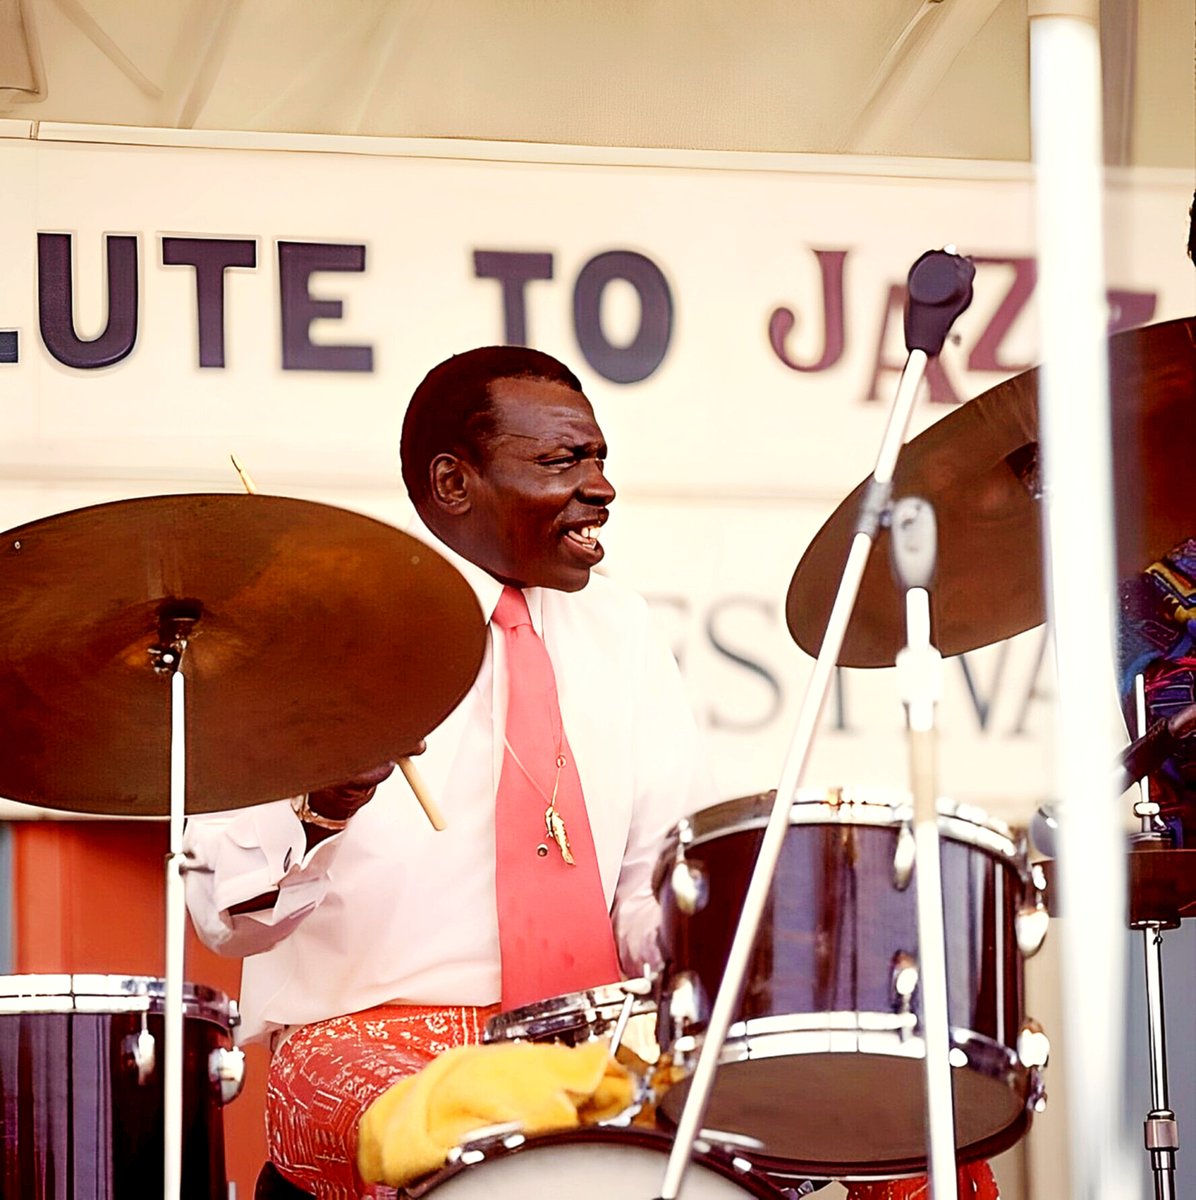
x=450 y=478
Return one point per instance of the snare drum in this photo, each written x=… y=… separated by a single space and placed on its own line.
x=824 y=1065
x=579 y=1017
x=590 y=1163
x=81 y=1065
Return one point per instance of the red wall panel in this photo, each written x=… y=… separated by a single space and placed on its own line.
x=89 y=896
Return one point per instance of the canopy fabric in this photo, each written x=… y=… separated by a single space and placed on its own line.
x=925 y=78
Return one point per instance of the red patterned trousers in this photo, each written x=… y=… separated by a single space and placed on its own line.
x=325 y=1075
x=976 y=1182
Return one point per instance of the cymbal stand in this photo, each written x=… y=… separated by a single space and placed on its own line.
x=175 y=623
x=940 y=288
x=1160 y=1129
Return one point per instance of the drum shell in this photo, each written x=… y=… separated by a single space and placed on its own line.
x=823 y=967
x=75 y=1121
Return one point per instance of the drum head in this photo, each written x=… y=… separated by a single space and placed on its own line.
x=590 y=1164
x=863 y=1133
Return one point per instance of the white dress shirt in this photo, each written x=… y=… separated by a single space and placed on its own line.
x=391 y=910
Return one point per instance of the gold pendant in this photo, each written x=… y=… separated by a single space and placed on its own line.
x=554 y=823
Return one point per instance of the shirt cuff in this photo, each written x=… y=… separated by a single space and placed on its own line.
x=268 y=851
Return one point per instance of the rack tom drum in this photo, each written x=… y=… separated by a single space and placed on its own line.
x=824 y=1064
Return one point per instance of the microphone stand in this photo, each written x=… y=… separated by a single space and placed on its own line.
x=939 y=289
x=919 y=672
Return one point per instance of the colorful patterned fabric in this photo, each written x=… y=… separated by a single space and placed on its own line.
x=976 y=1182
x=324 y=1076
x=1158 y=640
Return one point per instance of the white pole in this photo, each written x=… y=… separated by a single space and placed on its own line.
x=1074 y=430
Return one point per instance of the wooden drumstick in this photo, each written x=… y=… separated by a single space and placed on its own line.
x=246 y=478
x=418 y=786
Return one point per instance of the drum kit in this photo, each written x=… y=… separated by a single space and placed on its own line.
x=797 y=914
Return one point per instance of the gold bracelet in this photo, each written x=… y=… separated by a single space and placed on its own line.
x=309 y=816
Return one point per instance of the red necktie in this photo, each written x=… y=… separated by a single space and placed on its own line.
x=553 y=925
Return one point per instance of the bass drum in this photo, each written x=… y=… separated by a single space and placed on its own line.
x=824 y=1065
x=590 y=1163
x=81 y=1065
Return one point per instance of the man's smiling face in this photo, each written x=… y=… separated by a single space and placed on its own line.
x=539 y=494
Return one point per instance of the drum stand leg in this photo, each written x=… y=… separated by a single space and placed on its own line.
x=1160 y=1128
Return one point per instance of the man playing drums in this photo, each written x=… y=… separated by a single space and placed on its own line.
x=371 y=942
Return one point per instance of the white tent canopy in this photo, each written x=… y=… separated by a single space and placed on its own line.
x=933 y=78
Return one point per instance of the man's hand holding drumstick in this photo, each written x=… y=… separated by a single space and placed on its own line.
x=328 y=810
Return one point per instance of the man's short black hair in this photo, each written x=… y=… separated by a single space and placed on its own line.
x=451 y=410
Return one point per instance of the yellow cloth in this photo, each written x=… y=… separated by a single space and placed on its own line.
x=409 y=1130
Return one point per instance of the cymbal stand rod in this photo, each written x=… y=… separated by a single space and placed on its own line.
x=873 y=509
x=175 y=944
x=175 y=620
x=1160 y=1128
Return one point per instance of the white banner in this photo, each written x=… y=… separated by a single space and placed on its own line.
x=735 y=320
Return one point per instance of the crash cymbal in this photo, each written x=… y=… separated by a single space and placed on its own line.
x=320 y=643
x=978 y=466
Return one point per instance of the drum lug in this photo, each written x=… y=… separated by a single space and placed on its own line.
x=1032 y=919
x=226 y=1067
x=480 y=1143
x=684 y=1007
x=141 y=1051
x=903 y=857
x=691 y=888
x=904 y=979
x=1033 y=1045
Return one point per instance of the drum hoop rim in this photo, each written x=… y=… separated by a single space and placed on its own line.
x=569 y=1004
x=754 y=811
x=126 y=993
x=710 y=1156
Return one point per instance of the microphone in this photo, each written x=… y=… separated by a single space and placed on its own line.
x=940 y=288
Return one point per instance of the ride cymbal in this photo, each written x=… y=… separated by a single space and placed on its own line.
x=978 y=467
x=320 y=643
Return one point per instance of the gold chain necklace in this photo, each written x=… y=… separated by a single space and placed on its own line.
x=554 y=823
